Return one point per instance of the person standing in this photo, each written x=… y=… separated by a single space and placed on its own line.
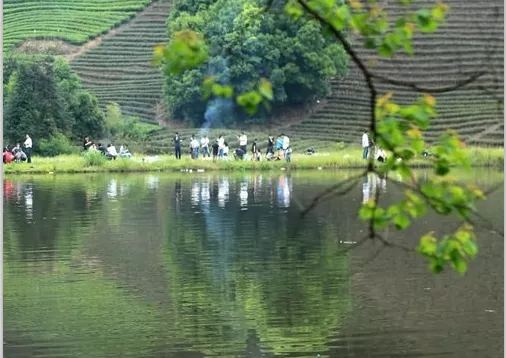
x=177 y=145
x=221 y=145
x=254 y=150
x=270 y=145
x=194 y=145
x=204 y=144
x=286 y=145
x=28 y=148
x=365 y=145
x=243 y=142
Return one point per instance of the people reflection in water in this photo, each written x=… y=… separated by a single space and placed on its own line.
x=112 y=189
x=195 y=193
x=223 y=192
x=371 y=183
x=243 y=194
x=284 y=191
x=178 y=195
x=29 y=202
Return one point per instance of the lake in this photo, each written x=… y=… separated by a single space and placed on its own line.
x=220 y=265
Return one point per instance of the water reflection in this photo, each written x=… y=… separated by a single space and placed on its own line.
x=178 y=268
x=371 y=183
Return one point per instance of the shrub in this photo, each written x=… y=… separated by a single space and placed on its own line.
x=94 y=158
x=56 y=145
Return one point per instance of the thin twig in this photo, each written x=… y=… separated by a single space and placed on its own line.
x=421 y=89
x=388 y=243
x=356 y=59
x=351 y=180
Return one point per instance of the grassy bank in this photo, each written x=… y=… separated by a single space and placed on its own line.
x=346 y=159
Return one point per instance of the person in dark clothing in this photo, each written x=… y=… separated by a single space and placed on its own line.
x=270 y=145
x=87 y=143
x=101 y=148
x=254 y=150
x=177 y=145
x=216 y=148
x=239 y=154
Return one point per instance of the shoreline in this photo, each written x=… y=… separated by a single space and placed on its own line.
x=348 y=159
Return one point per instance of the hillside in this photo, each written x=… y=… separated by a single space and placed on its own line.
x=75 y=21
x=118 y=70
x=472 y=34
x=459 y=48
x=116 y=67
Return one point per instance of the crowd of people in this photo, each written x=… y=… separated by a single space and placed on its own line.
x=19 y=154
x=108 y=151
x=277 y=149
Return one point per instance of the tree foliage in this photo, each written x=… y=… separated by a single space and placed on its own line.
x=398 y=129
x=45 y=99
x=237 y=44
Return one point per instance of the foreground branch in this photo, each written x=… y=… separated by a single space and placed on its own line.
x=352 y=181
x=421 y=89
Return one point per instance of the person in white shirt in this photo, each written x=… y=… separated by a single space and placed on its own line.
x=243 y=142
x=286 y=142
x=365 y=145
x=28 y=148
x=381 y=155
x=225 y=151
x=124 y=152
x=221 y=145
x=194 y=146
x=111 y=151
x=204 y=144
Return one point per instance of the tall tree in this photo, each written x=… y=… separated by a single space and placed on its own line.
x=34 y=103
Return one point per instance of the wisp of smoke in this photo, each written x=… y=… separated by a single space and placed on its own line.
x=218 y=108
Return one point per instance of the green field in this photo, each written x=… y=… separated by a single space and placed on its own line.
x=346 y=158
x=118 y=69
x=75 y=21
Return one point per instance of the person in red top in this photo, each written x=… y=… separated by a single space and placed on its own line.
x=7 y=156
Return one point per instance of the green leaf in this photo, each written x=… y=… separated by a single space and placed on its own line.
x=366 y=211
x=294 y=9
x=425 y=21
x=401 y=221
x=442 y=167
x=385 y=50
x=222 y=91
x=406 y=153
x=249 y=101
x=459 y=264
x=370 y=43
x=470 y=247
x=408 y=47
x=187 y=50
x=436 y=266
x=265 y=89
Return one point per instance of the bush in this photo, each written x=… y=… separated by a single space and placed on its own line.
x=93 y=158
x=122 y=127
x=56 y=145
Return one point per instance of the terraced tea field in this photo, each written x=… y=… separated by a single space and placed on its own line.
x=119 y=70
x=472 y=40
x=75 y=21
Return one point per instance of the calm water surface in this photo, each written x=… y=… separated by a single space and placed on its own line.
x=201 y=265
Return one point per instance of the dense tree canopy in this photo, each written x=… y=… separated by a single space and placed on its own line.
x=245 y=45
x=45 y=99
